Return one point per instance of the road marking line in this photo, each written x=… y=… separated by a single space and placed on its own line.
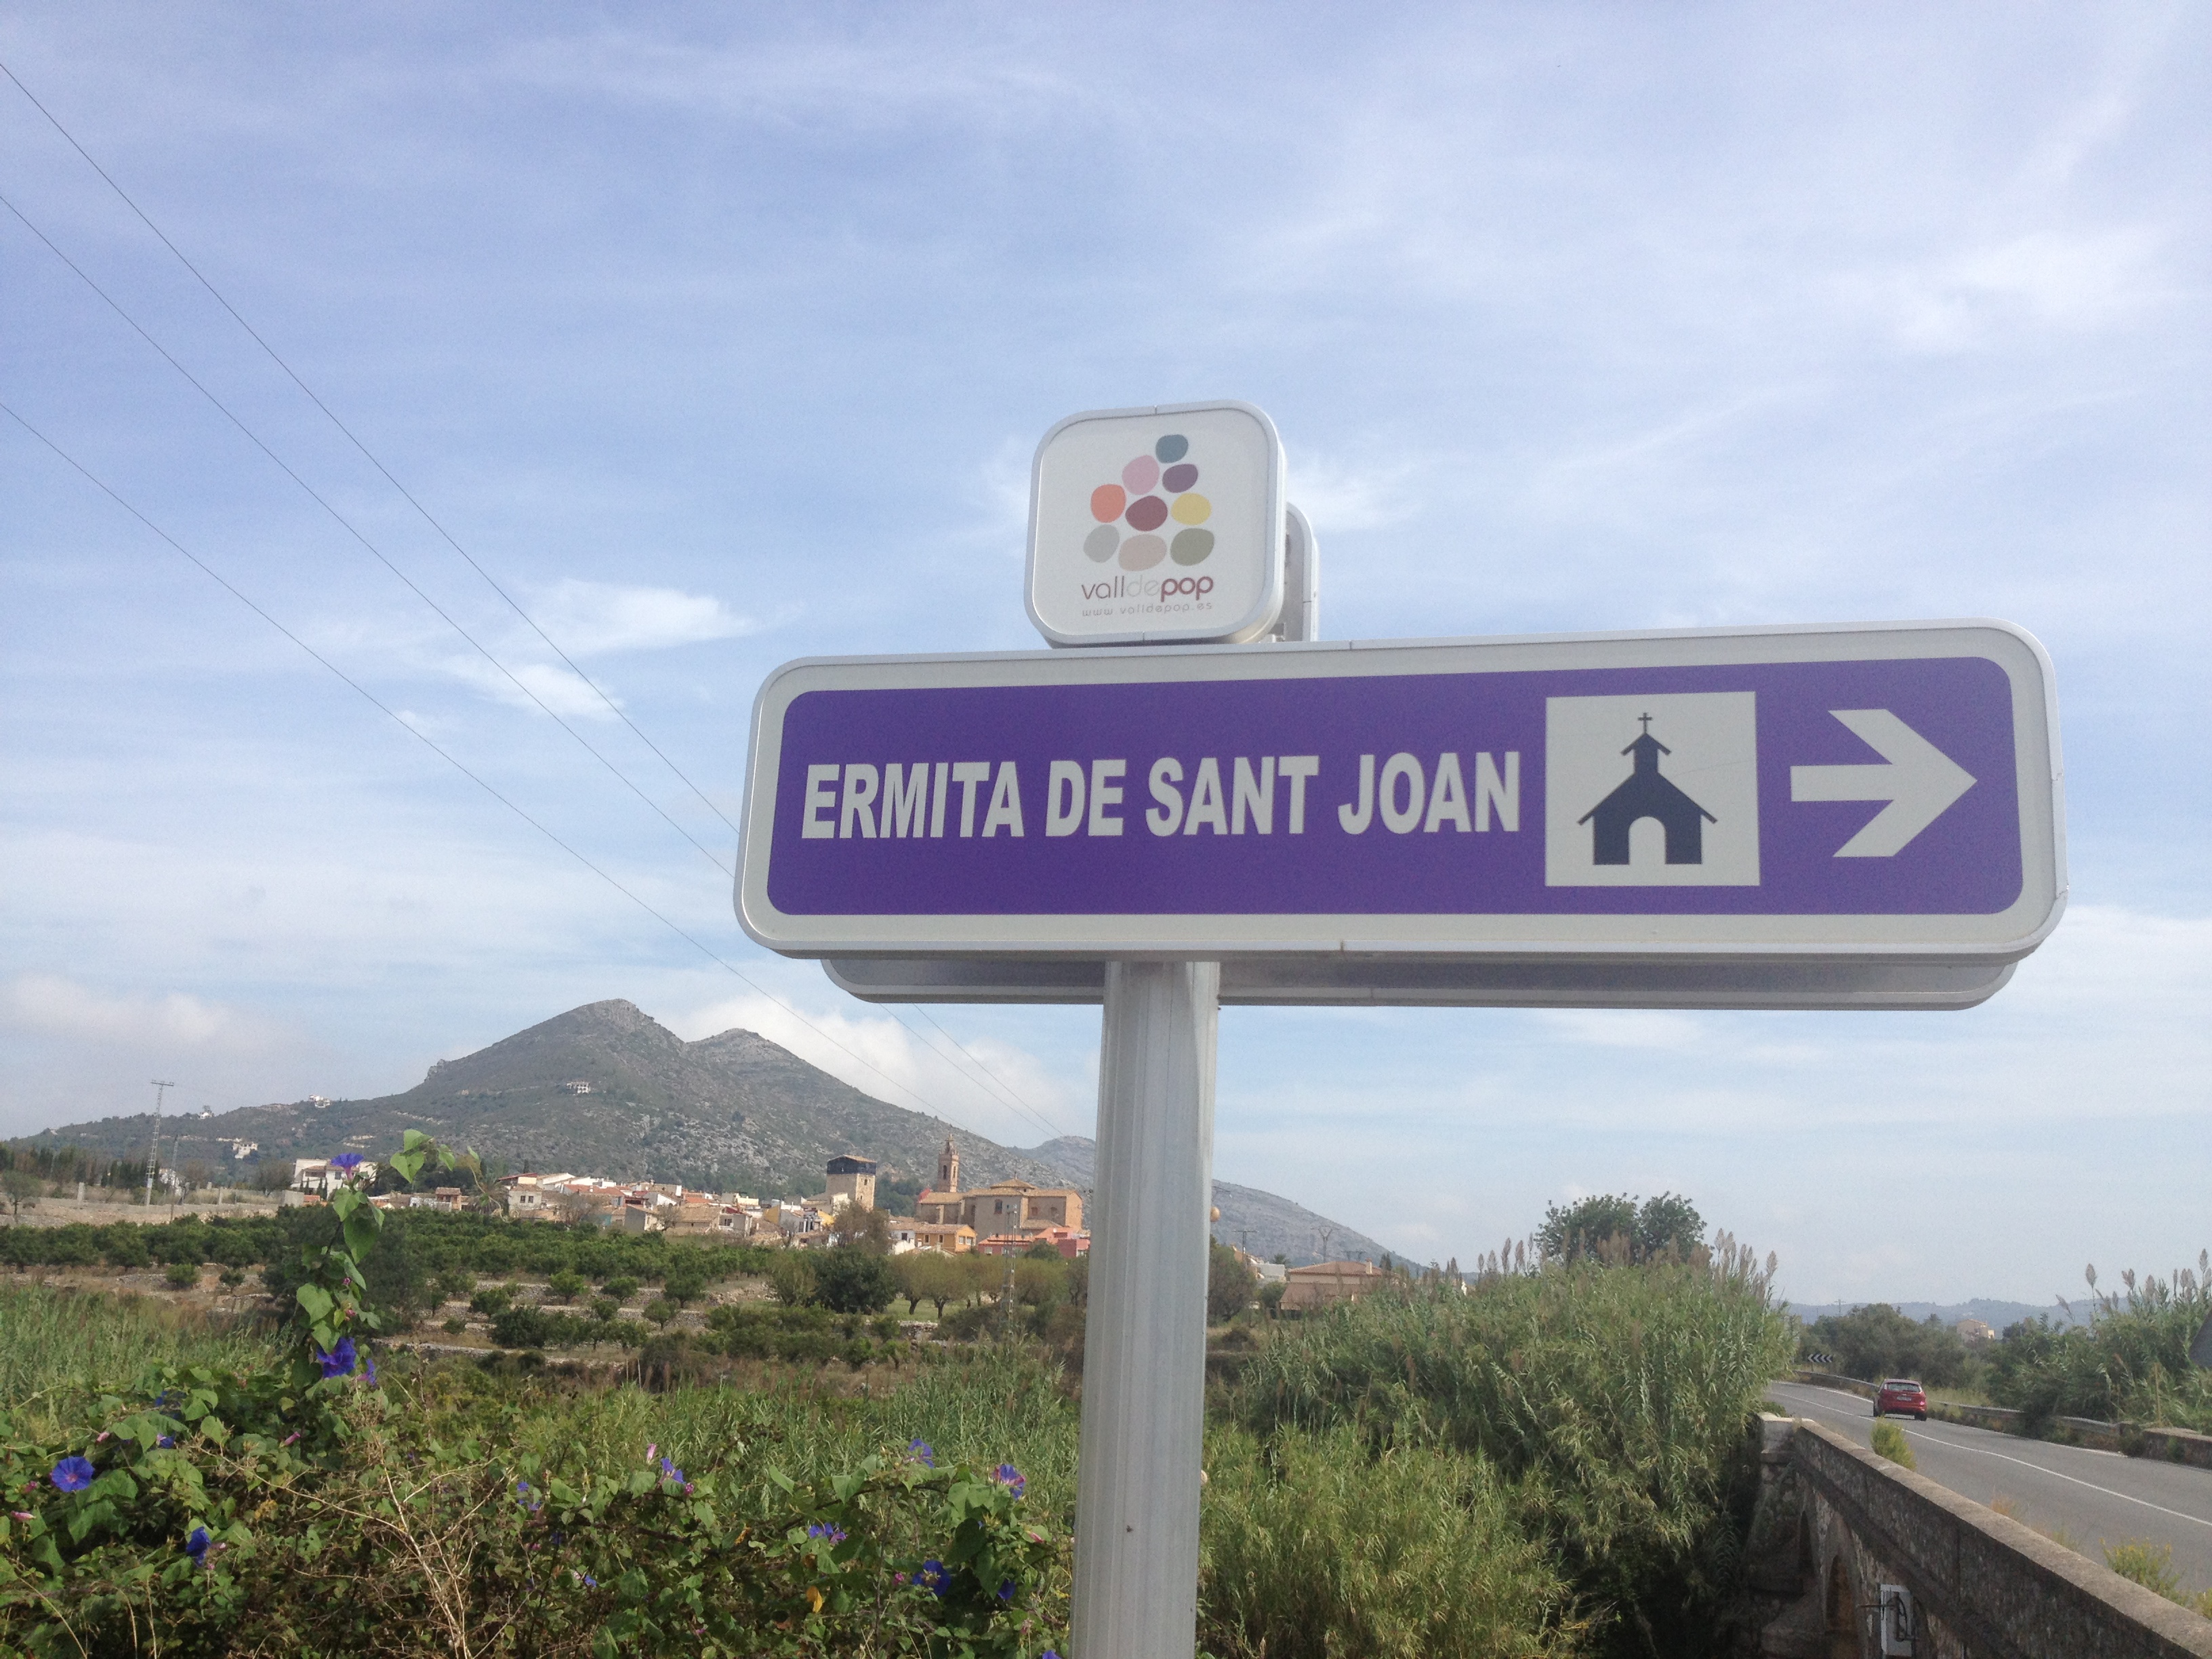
x=1984 y=1451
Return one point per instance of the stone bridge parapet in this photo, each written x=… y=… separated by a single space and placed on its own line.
x=1836 y=1523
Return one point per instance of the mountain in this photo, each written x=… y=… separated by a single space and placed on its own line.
x=1262 y=1223
x=733 y=1110
x=730 y=1111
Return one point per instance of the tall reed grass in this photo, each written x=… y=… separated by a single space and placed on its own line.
x=1316 y=1549
x=54 y=1344
x=1616 y=1399
x=2130 y=1365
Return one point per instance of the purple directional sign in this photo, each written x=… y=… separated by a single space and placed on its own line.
x=1885 y=792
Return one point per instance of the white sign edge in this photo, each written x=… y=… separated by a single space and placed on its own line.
x=1669 y=985
x=2035 y=718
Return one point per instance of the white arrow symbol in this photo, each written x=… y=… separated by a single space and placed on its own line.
x=1919 y=781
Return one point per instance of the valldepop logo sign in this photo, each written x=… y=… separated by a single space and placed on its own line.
x=1157 y=524
x=1651 y=791
x=1155 y=487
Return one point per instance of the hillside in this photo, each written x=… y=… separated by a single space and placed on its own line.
x=1262 y=1223
x=730 y=1111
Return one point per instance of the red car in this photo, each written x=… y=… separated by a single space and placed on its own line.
x=1903 y=1396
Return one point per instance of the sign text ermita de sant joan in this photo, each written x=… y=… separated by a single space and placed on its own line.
x=1730 y=817
x=1884 y=792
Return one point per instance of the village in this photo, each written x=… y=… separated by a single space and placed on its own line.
x=1008 y=1217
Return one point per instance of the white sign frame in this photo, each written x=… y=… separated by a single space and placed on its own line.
x=2003 y=936
x=1252 y=623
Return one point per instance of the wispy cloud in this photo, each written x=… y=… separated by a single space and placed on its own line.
x=2053 y=281
x=914 y=1065
x=53 y=1006
x=589 y=618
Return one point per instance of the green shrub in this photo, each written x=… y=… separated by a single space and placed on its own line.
x=2130 y=1365
x=792 y=1278
x=852 y=1281
x=491 y=1301
x=183 y=1275
x=686 y=1280
x=1889 y=1441
x=879 y=1553
x=1617 y=1398
x=621 y=1288
x=1875 y=1341
x=567 y=1283
x=2151 y=1565
x=1316 y=1546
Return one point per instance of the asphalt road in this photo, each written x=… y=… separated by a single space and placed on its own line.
x=2085 y=1499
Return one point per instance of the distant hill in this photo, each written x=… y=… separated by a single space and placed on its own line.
x=733 y=1111
x=1995 y=1315
x=1263 y=1224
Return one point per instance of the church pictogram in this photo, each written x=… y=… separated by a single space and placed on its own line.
x=1644 y=793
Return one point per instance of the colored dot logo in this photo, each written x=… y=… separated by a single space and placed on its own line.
x=1154 y=488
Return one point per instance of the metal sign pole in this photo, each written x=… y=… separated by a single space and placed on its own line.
x=1144 y=1348
x=1143 y=1354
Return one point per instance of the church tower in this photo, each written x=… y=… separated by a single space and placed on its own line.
x=948 y=1168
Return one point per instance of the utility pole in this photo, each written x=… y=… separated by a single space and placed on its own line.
x=154 y=1151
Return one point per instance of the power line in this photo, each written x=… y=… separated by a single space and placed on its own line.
x=461 y=767
x=348 y=524
x=427 y=518
x=319 y=499
x=1005 y=1091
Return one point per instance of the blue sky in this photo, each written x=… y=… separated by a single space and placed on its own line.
x=722 y=338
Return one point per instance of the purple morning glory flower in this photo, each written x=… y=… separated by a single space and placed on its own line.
x=920 y=1451
x=338 y=1361
x=834 y=1535
x=347 y=1161
x=73 y=1474
x=528 y=1499
x=166 y=1443
x=369 y=1370
x=671 y=1472
x=1006 y=1591
x=195 y=1545
x=934 y=1578
x=1011 y=1478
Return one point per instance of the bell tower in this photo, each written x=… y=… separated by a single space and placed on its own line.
x=948 y=1168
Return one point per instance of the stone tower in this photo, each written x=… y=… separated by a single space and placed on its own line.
x=948 y=1168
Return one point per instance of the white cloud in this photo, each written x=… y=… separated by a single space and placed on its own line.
x=589 y=618
x=905 y=1060
x=897 y=71
x=2044 y=280
x=52 y=1006
x=1339 y=496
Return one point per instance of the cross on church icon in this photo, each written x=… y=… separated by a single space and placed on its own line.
x=1647 y=793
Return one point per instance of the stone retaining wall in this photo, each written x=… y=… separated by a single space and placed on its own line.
x=2001 y=1419
x=1984 y=1587
x=2178 y=1446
